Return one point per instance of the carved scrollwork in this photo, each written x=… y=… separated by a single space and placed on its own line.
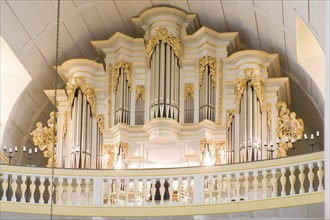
x=111 y=151
x=45 y=138
x=288 y=128
x=127 y=67
x=162 y=35
x=139 y=92
x=100 y=122
x=109 y=95
x=257 y=83
x=203 y=63
x=80 y=82
x=188 y=90
x=229 y=117
x=65 y=124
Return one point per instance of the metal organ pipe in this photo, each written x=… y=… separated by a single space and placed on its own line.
x=165 y=83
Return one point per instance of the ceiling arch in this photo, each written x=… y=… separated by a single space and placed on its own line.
x=29 y=27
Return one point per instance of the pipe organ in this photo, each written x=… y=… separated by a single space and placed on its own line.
x=164 y=94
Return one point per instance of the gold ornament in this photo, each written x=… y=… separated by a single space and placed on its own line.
x=127 y=67
x=80 y=82
x=269 y=116
x=229 y=117
x=288 y=128
x=257 y=83
x=203 y=63
x=188 y=90
x=65 y=124
x=45 y=139
x=111 y=151
x=220 y=92
x=100 y=122
x=162 y=35
x=109 y=95
x=139 y=92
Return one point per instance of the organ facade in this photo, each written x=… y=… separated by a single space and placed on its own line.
x=181 y=95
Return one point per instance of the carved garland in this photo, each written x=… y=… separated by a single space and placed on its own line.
x=80 y=82
x=257 y=84
x=288 y=126
x=220 y=91
x=188 y=90
x=65 y=123
x=162 y=35
x=229 y=117
x=127 y=67
x=109 y=95
x=43 y=137
x=100 y=122
x=139 y=92
x=269 y=116
x=207 y=61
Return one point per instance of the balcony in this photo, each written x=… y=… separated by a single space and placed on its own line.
x=268 y=184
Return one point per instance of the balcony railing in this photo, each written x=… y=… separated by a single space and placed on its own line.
x=292 y=177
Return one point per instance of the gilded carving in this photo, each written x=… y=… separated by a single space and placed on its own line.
x=139 y=92
x=162 y=35
x=269 y=116
x=100 y=122
x=288 y=128
x=109 y=95
x=127 y=68
x=45 y=139
x=229 y=117
x=220 y=92
x=111 y=151
x=257 y=83
x=219 y=153
x=65 y=124
x=203 y=63
x=188 y=90
x=80 y=82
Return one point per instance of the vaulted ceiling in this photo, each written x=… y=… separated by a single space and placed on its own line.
x=29 y=27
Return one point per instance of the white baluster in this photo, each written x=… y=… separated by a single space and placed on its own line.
x=144 y=191
x=109 y=192
x=60 y=191
x=301 y=179
x=180 y=190
x=153 y=191
x=219 y=188
x=14 y=187
x=255 y=184
x=69 y=191
x=311 y=177
x=170 y=190
x=4 y=187
x=188 y=190
x=292 y=179
x=264 y=184
x=33 y=188
x=78 y=191
x=274 y=183
x=42 y=189
x=320 y=175
x=135 y=191
x=162 y=191
x=23 y=187
x=118 y=185
x=210 y=188
x=126 y=188
x=228 y=185
x=246 y=186
x=48 y=189
x=237 y=187
x=87 y=191
x=283 y=181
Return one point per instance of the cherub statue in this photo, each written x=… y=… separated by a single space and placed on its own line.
x=39 y=136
